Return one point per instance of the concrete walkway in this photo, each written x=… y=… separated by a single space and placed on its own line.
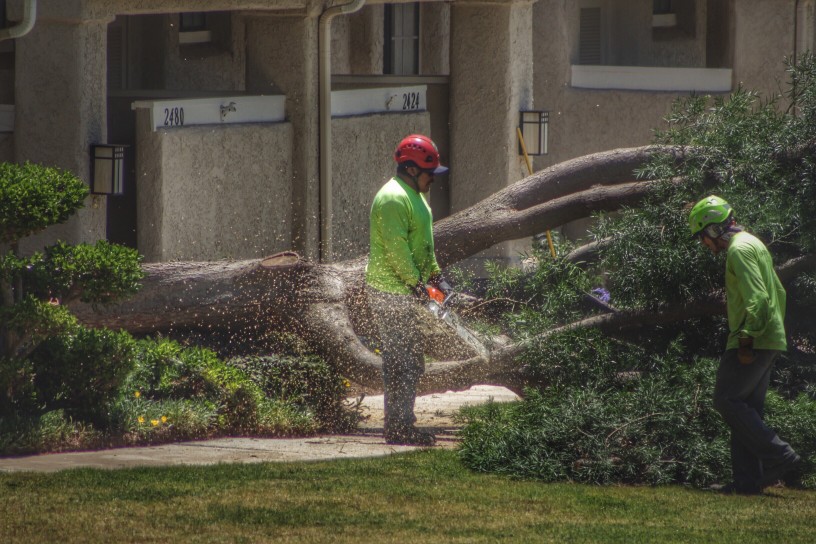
x=434 y=412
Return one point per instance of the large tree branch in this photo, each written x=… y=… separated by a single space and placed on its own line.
x=479 y=228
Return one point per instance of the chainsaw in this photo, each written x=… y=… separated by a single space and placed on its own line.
x=440 y=307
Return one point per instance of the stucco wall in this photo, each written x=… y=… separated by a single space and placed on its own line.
x=214 y=66
x=362 y=149
x=585 y=121
x=210 y=193
x=763 y=38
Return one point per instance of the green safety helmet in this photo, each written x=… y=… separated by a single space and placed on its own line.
x=712 y=210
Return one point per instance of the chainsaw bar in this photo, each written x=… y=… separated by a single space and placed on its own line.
x=445 y=314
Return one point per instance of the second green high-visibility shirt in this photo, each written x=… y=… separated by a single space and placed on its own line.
x=755 y=296
x=401 y=239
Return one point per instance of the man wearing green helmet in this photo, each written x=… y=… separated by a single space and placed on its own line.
x=756 y=313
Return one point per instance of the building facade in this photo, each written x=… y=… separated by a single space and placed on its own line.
x=223 y=104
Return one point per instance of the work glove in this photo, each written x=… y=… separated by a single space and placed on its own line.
x=439 y=281
x=420 y=293
x=745 y=351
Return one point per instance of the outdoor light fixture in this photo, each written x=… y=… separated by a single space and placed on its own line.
x=108 y=169
x=534 y=125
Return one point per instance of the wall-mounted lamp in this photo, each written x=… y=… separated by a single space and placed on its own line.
x=108 y=169
x=534 y=130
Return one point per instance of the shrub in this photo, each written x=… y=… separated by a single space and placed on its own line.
x=33 y=197
x=82 y=371
x=306 y=381
x=98 y=273
x=235 y=399
x=48 y=432
x=610 y=414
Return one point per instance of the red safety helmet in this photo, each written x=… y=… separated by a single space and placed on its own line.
x=421 y=151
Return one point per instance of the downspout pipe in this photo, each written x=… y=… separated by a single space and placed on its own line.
x=25 y=26
x=795 y=30
x=324 y=82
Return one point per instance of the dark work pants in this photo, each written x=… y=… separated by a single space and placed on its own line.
x=401 y=353
x=739 y=396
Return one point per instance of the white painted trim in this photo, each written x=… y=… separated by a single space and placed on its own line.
x=664 y=20
x=647 y=78
x=380 y=100
x=181 y=112
x=195 y=36
x=6 y=117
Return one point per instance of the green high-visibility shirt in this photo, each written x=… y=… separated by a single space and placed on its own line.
x=401 y=239
x=755 y=296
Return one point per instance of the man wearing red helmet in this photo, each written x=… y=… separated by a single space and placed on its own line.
x=401 y=261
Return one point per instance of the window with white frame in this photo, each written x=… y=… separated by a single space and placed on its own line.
x=193 y=28
x=401 y=55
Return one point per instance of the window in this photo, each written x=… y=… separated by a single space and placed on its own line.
x=207 y=31
x=589 y=40
x=193 y=22
x=193 y=28
x=401 y=55
x=662 y=7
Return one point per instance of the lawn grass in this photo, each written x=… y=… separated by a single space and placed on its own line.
x=425 y=496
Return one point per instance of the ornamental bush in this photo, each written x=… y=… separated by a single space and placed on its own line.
x=49 y=361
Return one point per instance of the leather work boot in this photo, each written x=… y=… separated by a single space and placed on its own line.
x=410 y=436
x=776 y=472
x=735 y=489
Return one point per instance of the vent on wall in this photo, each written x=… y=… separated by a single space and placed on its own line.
x=589 y=39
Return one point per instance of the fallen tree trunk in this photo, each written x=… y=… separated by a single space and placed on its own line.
x=324 y=303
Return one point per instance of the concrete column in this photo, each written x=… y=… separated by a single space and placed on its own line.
x=434 y=46
x=491 y=79
x=282 y=57
x=61 y=109
x=366 y=40
x=763 y=37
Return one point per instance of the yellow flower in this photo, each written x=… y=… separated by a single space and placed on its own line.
x=154 y=422
x=347 y=383
x=376 y=351
x=164 y=419
x=137 y=394
x=140 y=419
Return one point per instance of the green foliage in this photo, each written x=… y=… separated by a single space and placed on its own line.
x=81 y=371
x=794 y=419
x=305 y=381
x=33 y=197
x=18 y=394
x=552 y=294
x=32 y=321
x=47 y=432
x=637 y=409
x=101 y=273
x=741 y=148
x=261 y=395
x=654 y=425
x=110 y=389
x=166 y=370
